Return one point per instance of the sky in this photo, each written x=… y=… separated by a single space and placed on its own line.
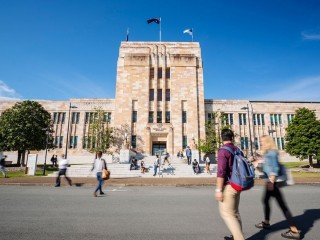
x=256 y=50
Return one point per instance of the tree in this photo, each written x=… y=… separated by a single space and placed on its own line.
x=100 y=133
x=25 y=127
x=303 y=136
x=210 y=144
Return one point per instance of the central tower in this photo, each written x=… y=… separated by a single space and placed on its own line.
x=159 y=95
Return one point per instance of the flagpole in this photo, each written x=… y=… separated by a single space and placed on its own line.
x=192 y=34
x=160 y=29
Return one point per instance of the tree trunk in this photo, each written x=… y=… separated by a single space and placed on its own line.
x=19 y=158
x=23 y=158
x=310 y=161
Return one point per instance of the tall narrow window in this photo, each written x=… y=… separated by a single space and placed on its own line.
x=151 y=95
x=290 y=118
x=150 y=119
x=184 y=116
x=242 y=119
x=159 y=95
x=152 y=73
x=134 y=116
x=87 y=116
x=167 y=94
x=244 y=143
x=107 y=117
x=167 y=73
x=75 y=117
x=73 y=142
x=227 y=119
x=55 y=118
x=63 y=118
x=60 y=143
x=159 y=72
x=134 y=141
x=167 y=117
x=211 y=118
x=184 y=142
x=159 y=117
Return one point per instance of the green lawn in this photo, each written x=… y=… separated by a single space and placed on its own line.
x=295 y=164
x=306 y=175
x=39 y=172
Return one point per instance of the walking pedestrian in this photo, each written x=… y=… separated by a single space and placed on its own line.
x=54 y=160
x=98 y=166
x=188 y=154
x=156 y=164
x=63 y=165
x=272 y=170
x=207 y=160
x=228 y=197
x=3 y=165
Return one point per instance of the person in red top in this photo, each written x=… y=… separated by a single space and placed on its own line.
x=228 y=197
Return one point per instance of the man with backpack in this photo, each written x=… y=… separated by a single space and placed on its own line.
x=227 y=196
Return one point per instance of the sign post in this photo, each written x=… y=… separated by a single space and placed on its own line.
x=32 y=164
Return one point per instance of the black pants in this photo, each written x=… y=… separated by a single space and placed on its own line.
x=282 y=204
x=189 y=160
x=62 y=172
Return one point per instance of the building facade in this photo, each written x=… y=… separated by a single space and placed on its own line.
x=160 y=103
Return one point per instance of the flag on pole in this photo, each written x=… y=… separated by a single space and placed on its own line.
x=155 y=20
x=127 y=39
x=189 y=31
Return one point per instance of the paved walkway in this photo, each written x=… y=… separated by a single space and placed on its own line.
x=156 y=181
x=144 y=213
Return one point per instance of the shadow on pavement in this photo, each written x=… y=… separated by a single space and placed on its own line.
x=304 y=222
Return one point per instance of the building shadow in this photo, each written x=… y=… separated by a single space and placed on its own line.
x=304 y=222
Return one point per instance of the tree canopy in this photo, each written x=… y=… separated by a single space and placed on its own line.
x=100 y=133
x=303 y=135
x=24 y=127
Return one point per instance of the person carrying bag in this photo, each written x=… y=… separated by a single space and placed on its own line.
x=102 y=173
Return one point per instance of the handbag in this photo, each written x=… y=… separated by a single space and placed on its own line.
x=105 y=174
x=285 y=177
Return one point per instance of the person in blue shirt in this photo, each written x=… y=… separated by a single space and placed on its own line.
x=188 y=154
x=271 y=169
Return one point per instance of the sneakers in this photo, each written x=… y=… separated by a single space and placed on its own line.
x=101 y=193
x=95 y=194
x=291 y=235
x=228 y=237
x=263 y=225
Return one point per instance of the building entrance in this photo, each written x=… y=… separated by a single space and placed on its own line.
x=158 y=147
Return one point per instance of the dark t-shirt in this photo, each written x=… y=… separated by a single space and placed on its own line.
x=225 y=162
x=2 y=162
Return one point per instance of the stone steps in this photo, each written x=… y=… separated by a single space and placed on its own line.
x=123 y=171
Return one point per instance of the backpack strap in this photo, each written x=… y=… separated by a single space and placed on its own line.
x=228 y=149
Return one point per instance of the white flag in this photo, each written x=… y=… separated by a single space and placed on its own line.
x=189 y=31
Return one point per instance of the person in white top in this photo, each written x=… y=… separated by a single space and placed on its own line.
x=98 y=165
x=63 y=165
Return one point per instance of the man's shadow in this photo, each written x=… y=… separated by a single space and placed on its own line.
x=304 y=223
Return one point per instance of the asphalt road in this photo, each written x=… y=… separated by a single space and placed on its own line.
x=143 y=213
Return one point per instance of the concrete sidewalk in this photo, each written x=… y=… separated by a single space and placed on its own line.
x=156 y=181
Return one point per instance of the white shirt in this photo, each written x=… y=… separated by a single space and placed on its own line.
x=98 y=164
x=63 y=164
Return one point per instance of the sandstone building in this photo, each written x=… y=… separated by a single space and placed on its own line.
x=160 y=102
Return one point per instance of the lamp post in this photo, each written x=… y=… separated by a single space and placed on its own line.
x=67 y=142
x=45 y=157
x=247 y=108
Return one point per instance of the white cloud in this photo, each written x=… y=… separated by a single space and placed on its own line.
x=305 y=89
x=7 y=92
x=310 y=36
